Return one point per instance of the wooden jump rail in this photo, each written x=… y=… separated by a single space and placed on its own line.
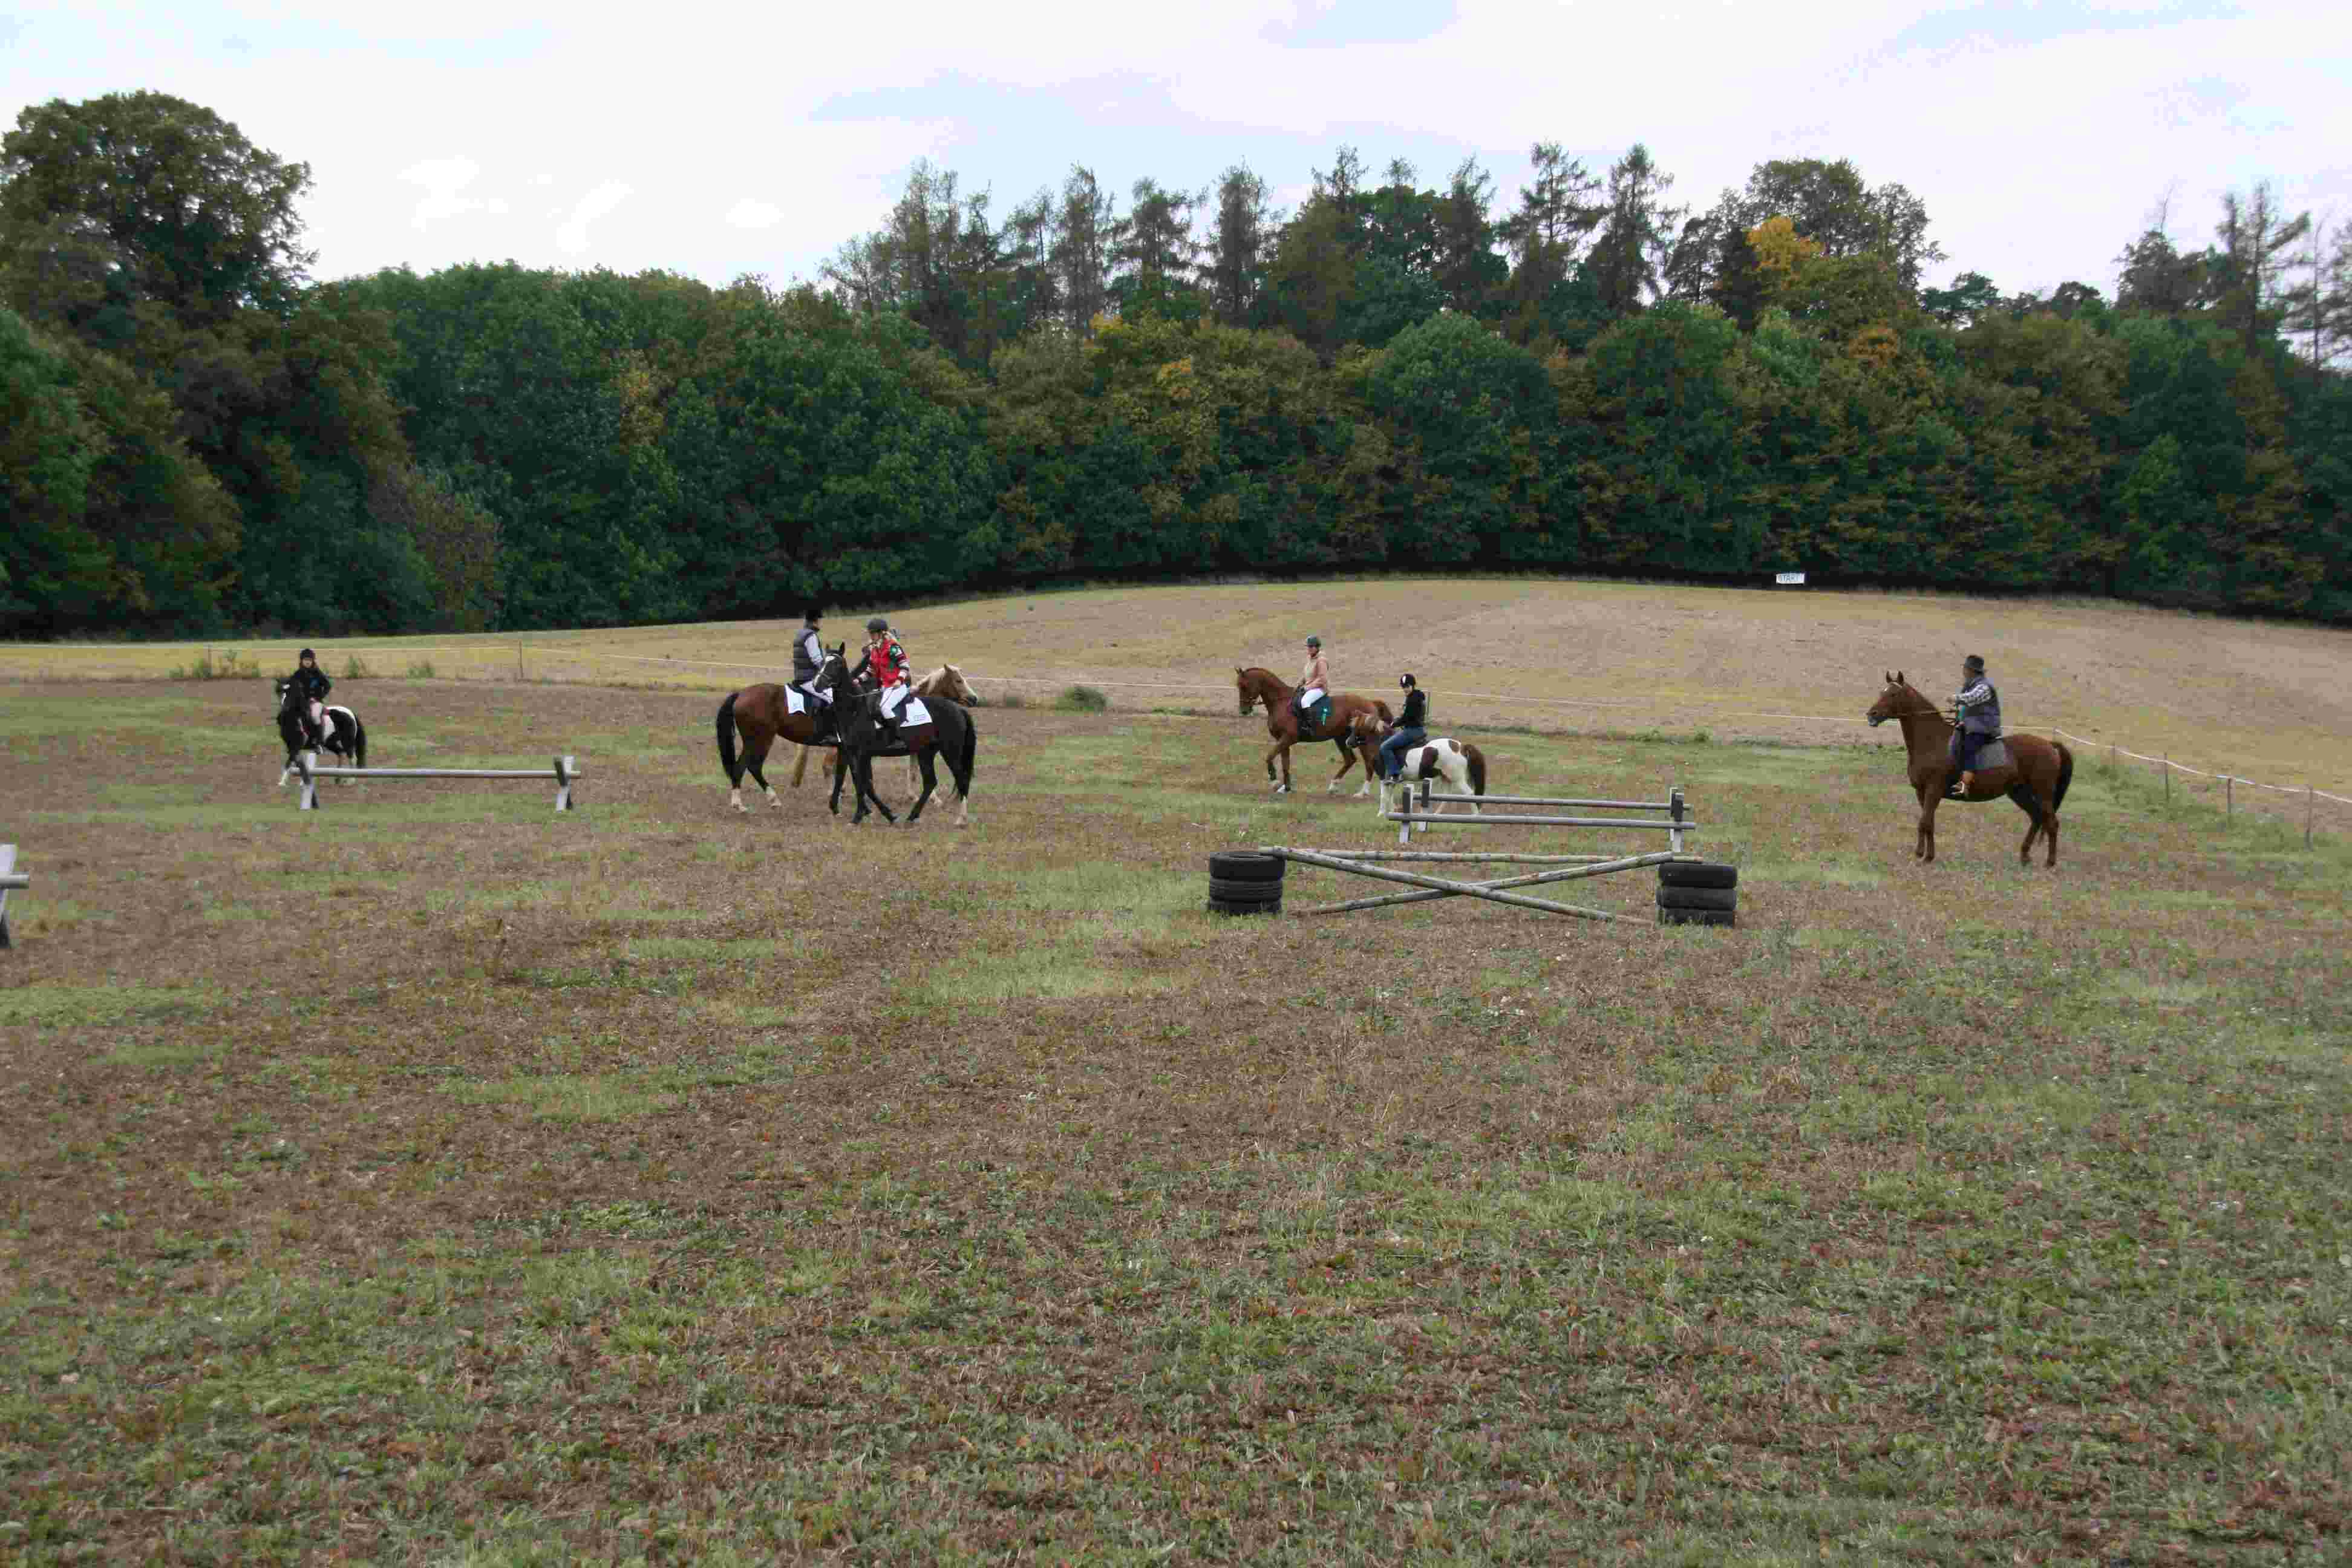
x=563 y=772
x=1675 y=821
x=12 y=880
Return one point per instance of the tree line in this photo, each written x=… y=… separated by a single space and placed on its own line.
x=194 y=437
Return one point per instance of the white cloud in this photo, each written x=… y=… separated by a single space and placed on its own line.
x=749 y=213
x=443 y=179
x=572 y=237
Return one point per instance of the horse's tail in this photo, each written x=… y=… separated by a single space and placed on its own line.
x=2065 y=774
x=727 y=739
x=1477 y=761
x=964 y=754
x=359 y=742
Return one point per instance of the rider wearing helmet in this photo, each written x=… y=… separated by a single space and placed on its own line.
x=808 y=663
x=1409 y=731
x=1312 y=683
x=311 y=682
x=888 y=661
x=1976 y=710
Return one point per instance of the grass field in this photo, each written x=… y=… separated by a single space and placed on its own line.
x=433 y=1179
x=2267 y=702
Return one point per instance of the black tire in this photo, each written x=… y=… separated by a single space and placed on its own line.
x=1674 y=916
x=1246 y=866
x=1259 y=907
x=1244 y=892
x=1698 y=898
x=1704 y=875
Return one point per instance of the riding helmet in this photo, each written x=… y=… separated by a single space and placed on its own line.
x=1974 y=661
x=877 y=625
x=1405 y=681
x=1314 y=642
x=813 y=613
x=306 y=653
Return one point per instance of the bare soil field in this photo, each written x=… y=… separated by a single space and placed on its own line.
x=436 y=1179
x=2266 y=701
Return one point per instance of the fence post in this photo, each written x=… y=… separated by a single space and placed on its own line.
x=2167 y=778
x=2229 y=797
x=2308 y=800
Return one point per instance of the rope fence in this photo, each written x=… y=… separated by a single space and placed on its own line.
x=2226 y=785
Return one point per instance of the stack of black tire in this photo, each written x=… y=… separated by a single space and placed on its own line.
x=1697 y=893
x=1245 y=882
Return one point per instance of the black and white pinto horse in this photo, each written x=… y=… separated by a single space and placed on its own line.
x=345 y=737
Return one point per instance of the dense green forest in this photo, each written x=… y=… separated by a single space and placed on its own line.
x=194 y=437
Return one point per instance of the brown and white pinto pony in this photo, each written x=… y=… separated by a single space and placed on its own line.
x=2036 y=776
x=1257 y=685
x=947 y=681
x=1459 y=764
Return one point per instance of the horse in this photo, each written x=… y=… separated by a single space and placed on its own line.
x=2035 y=777
x=762 y=714
x=345 y=736
x=1255 y=685
x=1457 y=762
x=950 y=733
x=947 y=681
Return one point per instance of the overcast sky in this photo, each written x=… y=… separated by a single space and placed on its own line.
x=715 y=141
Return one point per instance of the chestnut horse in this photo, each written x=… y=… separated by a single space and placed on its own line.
x=2035 y=776
x=1257 y=684
x=762 y=716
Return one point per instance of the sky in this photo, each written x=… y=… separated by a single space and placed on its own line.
x=719 y=140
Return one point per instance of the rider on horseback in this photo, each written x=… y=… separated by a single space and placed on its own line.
x=808 y=662
x=1312 y=685
x=310 y=685
x=1409 y=730
x=887 y=662
x=1976 y=710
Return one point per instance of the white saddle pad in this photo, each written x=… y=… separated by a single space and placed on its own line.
x=793 y=701
x=914 y=712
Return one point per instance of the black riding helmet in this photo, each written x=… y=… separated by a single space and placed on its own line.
x=306 y=653
x=813 y=613
x=1405 y=681
x=877 y=625
x=1314 y=642
x=1974 y=661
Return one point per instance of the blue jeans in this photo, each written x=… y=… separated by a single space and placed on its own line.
x=1393 y=749
x=1970 y=744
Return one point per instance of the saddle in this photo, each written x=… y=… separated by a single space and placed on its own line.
x=1313 y=721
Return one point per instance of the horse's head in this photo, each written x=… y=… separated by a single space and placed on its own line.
x=1894 y=701
x=1248 y=692
x=953 y=686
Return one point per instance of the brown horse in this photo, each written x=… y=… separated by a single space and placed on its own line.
x=1257 y=685
x=2036 y=775
x=762 y=716
x=946 y=681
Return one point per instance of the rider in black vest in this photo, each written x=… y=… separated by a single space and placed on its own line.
x=1409 y=731
x=312 y=685
x=1976 y=711
x=808 y=661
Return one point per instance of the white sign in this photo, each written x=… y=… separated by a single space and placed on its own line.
x=1797 y=577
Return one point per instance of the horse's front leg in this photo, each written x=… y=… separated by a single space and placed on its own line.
x=1927 y=851
x=840 y=776
x=1282 y=784
x=865 y=792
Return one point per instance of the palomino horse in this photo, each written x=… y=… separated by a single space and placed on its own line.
x=345 y=736
x=946 y=681
x=1257 y=685
x=2036 y=775
x=764 y=716
x=950 y=733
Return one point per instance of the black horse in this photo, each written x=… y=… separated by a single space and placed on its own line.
x=950 y=733
x=346 y=737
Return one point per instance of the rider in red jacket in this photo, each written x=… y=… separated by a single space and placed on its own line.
x=888 y=661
